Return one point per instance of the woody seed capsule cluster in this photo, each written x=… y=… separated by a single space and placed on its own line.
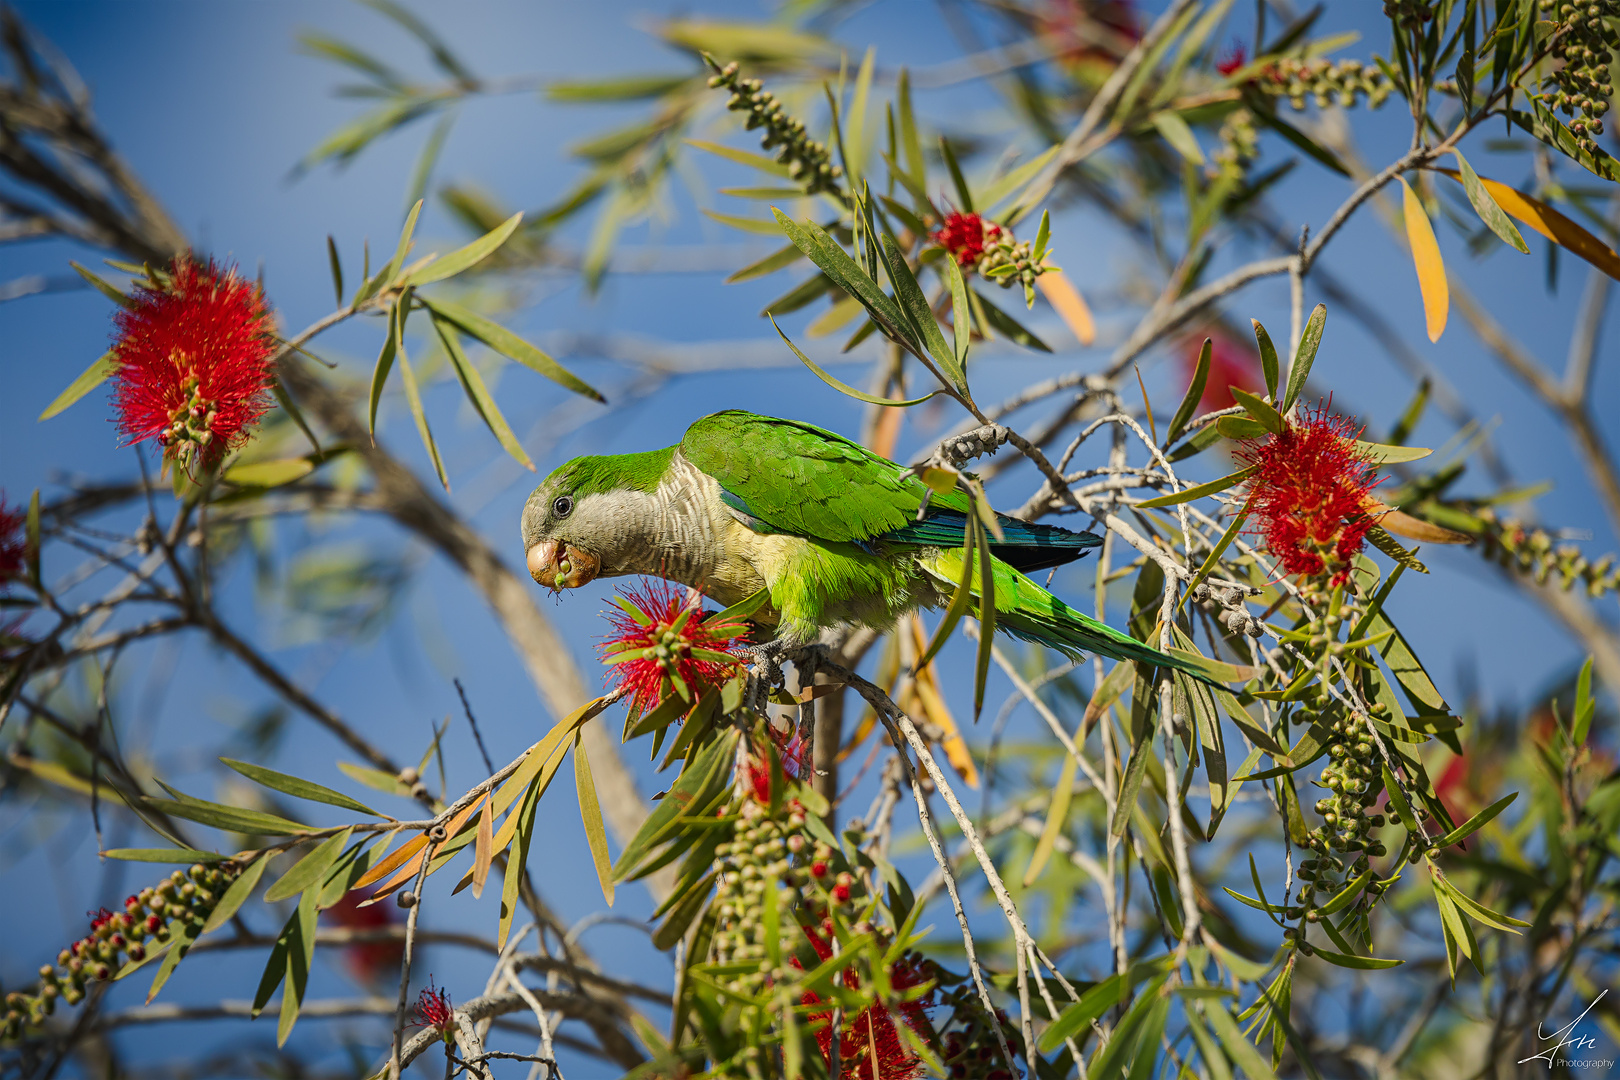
x=756 y=868
x=807 y=161
x=150 y=917
x=1533 y=551
x=1581 y=46
x=1329 y=82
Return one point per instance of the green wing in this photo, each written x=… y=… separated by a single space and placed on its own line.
x=801 y=479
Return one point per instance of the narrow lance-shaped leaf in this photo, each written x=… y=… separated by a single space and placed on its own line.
x=959 y=599
x=1304 y=356
x=964 y=197
x=1057 y=811
x=103 y=287
x=1431 y=271
x=379 y=373
x=484 y=850
x=961 y=319
x=473 y=383
x=1189 y=494
x=337 y=268
x=1261 y=410
x=987 y=621
x=413 y=395
x=508 y=344
x=915 y=307
x=1068 y=303
x=92 y=377
x=1195 y=393
x=843 y=387
x=1486 y=207
x=236 y=894
x=1268 y=358
x=310 y=869
x=590 y=815
x=297 y=787
x=300 y=958
x=464 y=258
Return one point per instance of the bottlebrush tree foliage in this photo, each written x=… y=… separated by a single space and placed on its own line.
x=1191 y=876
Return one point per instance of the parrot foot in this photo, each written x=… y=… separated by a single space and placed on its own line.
x=765 y=672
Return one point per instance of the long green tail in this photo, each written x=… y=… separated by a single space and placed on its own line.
x=1027 y=611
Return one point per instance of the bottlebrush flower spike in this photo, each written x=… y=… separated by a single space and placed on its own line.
x=1309 y=494
x=1235 y=57
x=871 y=1047
x=434 y=1010
x=965 y=235
x=662 y=640
x=193 y=363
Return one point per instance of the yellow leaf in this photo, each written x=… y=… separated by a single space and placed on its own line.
x=1413 y=528
x=1554 y=226
x=1431 y=271
x=1069 y=304
x=1056 y=812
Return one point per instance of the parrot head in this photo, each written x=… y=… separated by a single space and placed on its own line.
x=580 y=523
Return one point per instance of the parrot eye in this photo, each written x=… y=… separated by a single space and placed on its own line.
x=563 y=506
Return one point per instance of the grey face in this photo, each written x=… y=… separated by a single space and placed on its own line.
x=561 y=538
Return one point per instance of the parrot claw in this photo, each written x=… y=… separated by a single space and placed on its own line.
x=765 y=673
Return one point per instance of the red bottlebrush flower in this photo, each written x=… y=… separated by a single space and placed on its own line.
x=871 y=1047
x=99 y=918
x=790 y=748
x=1309 y=494
x=13 y=541
x=964 y=236
x=193 y=363
x=1234 y=58
x=1230 y=364
x=662 y=639
x=434 y=1010
x=369 y=961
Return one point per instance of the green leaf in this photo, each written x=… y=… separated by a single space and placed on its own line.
x=379 y=373
x=477 y=393
x=1239 y=428
x=1268 y=358
x=1385 y=454
x=959 y=598
x=590 y=815
x=1585 y=707
x=92 y=377
x=270 y=474
x=109 y=291
x=1189 y=494
x=310 y=869
x=843 y=387
x=1362 y=963
x=275 y=969
x=1194 y=394
x=771 y=263
x=413 y=398
x=1475 y=823
x=964 y=197
x=1004 y=324
x=1097 y=1000
x=182 y=934
x=742 y=157
x=465 y=258
x=1261 y=411
x=688 y=793
x=1180 y=137
x=1135 y=770
x=916 y=169
x=1380 y=538
x=844 y=272
x=1304 y=142
x=987 y=615
x=626 y=88
x=914 y=304
x=1014 y=181
x=236 y=894
x=758 y=226
x=229 y=818
x=508 y=344
x=375 y=778
x=517 y=859
x=961 y=320
x=183 y=856
x=1201 y=440
x=1240 y=1050
x=337 y=268
x=402 y=249
x=1486 y=207
x=1305 y=355
x=300 y=958
x=296 y=787
x=1057 y=812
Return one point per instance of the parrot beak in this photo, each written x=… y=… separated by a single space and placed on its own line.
x=558 y=565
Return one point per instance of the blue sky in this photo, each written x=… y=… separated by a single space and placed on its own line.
x=212 y=106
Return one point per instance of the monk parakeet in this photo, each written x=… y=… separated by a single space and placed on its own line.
x=831 y=529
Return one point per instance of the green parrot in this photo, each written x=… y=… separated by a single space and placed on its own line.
x=829 y=528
